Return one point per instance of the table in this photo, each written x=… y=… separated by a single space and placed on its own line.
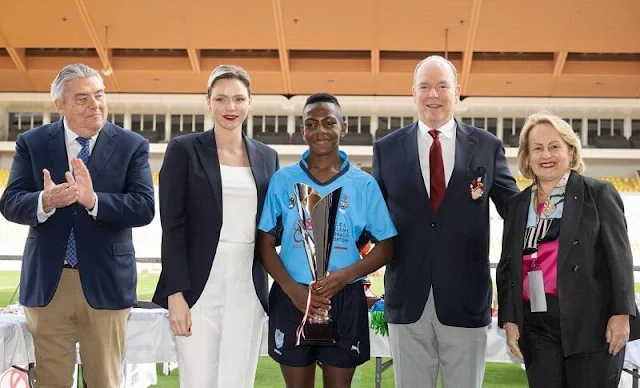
x=150 y=340
x=16 y=344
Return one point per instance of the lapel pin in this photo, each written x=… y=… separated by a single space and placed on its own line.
x=476 y=188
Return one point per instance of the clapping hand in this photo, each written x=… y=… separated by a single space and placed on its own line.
x=83 y=181
x=57 y=196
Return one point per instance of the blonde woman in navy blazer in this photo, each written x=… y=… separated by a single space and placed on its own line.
x=212 y=187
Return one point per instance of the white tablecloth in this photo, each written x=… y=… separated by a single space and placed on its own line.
x=16 y=344
x=150 y=340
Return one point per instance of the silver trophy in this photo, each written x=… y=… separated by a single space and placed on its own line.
x=320 y=213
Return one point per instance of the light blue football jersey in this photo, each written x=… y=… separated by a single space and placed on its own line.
x=362 y=213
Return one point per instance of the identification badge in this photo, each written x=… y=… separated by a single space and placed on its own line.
x=536 y=292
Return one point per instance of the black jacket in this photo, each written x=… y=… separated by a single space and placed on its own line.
x=595 y=265
x=191 y=213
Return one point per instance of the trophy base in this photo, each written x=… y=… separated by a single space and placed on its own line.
x=318 y=334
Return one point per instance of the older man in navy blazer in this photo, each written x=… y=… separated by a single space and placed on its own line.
x=81 y=184
x=437 y=176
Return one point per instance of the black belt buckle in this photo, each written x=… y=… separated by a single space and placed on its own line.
x=69 y=266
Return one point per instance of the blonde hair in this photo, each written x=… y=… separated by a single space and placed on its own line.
x=566 y=133
x=229 y=72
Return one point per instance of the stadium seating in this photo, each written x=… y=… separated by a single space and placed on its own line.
x=522 y=182
x=614 y=141
x=380 y=133
x=4 y=177
x=272 y=137
x=13 y=134
x=152 y=136
x=297 y=139
x=354 y=138
x=511 y=140
x=623 y=185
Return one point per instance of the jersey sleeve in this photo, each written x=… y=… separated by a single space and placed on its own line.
x=271 y=217
x=378 y=220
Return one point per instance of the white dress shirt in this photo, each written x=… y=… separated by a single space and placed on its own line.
x=73 y=148
x=448 y=143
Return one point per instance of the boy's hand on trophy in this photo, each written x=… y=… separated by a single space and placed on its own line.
x=331 y=284
x=320 y=306
x=298 y=295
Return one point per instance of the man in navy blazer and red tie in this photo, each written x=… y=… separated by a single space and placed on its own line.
x=81 y=184
x=438 y=284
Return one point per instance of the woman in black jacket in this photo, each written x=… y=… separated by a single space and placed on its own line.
x=565 y=277
x=212 y=188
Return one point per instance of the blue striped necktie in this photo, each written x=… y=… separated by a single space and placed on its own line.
x=71 y=256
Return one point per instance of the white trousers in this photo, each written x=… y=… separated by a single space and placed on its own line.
x=226 y=325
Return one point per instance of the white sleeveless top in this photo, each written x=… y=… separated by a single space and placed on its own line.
x=239 y=205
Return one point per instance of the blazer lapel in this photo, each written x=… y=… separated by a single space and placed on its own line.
x=58 y=152
x=573 y=202
x=258 y=169
x=105 y=144
x=207 y=153
x=408 y=143
x=466 y=142
x=519 y=226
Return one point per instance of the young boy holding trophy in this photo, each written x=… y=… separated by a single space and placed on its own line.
x=321 y=209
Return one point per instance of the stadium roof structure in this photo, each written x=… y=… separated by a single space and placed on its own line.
x=542 y=48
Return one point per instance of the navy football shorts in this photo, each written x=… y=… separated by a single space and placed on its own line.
x=350 y=327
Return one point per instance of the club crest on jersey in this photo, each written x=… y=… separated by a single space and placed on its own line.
x=344 y=201
x=279 y=338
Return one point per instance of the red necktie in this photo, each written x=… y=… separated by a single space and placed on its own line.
x=436 y=169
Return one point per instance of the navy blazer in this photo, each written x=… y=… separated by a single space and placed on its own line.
x=191 y=213
x=595 y=264
x=121 y=176
x=448 y=251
